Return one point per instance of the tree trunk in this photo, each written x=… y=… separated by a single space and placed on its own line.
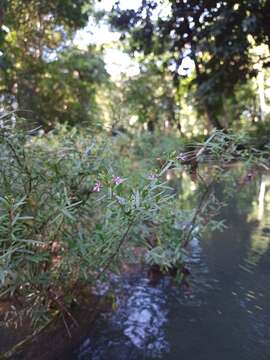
x=151 y=126
x=212 y=119
x=261 y=91
x=179 y=127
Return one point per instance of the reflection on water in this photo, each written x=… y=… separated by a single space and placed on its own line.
x=260 y=239
x=145 y=318
x=136 y=327
x=223 y=314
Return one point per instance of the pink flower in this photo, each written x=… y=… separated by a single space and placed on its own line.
x=118 y=180
x=152 y=177
x=97 y=187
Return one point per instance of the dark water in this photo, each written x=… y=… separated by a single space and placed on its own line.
x=225 y=314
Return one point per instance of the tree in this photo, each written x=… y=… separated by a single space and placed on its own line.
x=151 y=97
x=42 y=74
x=67 y=90
x=214 y=34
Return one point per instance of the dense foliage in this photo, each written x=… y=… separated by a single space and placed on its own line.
x=68 y=215
x=42 y=74
x=216 y=36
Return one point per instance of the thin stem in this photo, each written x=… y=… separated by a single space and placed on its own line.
x=197 y=212
x=121 y=243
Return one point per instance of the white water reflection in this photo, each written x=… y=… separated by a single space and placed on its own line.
x=136 y=327
x=260 y=239
x=145 y=315
x=261 y=198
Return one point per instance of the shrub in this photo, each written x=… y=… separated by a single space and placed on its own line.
x=68 y=214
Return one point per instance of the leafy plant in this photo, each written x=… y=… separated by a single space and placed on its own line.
x=68 y=215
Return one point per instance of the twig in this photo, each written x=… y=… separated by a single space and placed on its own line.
x=62 y=306
x=197 y=212
x=66 y=326
x=122 y=241
x=10 y=353
x=24 y=167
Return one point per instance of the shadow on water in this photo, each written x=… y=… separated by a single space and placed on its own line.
x=224 y=314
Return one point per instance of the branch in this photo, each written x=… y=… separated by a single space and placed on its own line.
x=121 y=243
x=198 y=210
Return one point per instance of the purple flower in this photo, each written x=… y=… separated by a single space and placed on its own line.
x=97 y=187
x=118 y=180
x=152 y=176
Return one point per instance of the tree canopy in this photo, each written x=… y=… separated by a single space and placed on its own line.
x=42 y=73
x=216 y=35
